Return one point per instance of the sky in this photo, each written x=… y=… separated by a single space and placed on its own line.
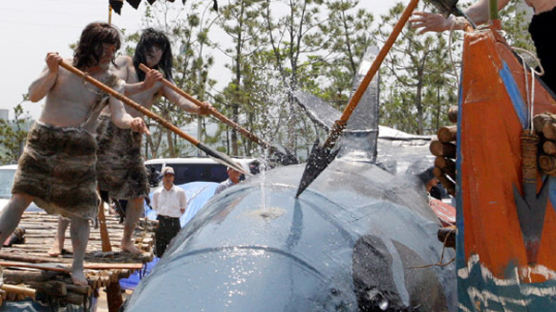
x=31 y=28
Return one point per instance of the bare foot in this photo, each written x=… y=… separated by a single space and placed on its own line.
x=78 y=278
x=130 y=247
x=55 y=251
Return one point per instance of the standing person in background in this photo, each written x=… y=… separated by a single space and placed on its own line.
x=57 y=168
x=234 y=177
x=170 y=203
x=541 y=27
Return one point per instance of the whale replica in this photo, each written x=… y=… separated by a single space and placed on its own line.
x=359 y=239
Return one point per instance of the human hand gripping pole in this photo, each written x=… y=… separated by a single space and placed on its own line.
x=321 y=157
x=284 y=157
x=219 y=157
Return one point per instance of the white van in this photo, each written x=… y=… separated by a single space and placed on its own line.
x=194 y=169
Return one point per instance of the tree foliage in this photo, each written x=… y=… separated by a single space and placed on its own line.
x=13 y=134
x=273 y=48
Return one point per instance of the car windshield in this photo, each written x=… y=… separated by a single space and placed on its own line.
x=6 y=181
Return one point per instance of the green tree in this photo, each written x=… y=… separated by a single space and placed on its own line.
x=240 y=21
x=13 y=134
x=418 y=73
x=291 y=30
x=348 y=32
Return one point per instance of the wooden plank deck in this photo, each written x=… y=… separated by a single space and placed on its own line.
x=30 y=272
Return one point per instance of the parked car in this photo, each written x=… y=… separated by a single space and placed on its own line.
x=196 y=169
x=7 y=173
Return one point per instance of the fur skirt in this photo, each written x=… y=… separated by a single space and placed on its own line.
x=120 y=168
x=58 y=168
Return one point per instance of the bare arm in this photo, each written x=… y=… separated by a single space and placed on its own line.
x=151 y=77
x=179 y=100
x=478 y=12
x=124 y=120
x=184 y=103
x=155 y=201
x=183 y=203
x=42 y=85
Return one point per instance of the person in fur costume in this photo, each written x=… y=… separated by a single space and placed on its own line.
x=57 y=168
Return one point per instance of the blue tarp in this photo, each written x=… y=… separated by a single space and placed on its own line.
x=197 y=194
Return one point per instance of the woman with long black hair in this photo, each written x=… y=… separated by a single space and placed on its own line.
x=121 y=173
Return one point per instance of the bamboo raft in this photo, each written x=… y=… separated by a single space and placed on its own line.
x=29 y=272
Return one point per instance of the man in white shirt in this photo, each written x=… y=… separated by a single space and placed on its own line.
x=169 y=203
x=233 y=178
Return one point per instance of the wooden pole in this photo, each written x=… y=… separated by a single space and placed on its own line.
x=25 y=291
x=105 y=238
x=445 y=164
x=447 y=134
x=340 y=124
x=549 y=130
x=539 y=121
x=109 y=14
x=212 y=111
x=549 y=147
x=129 y=102
x=438 y=148
x=90 y=266
x=548 y=164
x=320 y=157
x=453 y=114
x=114 y=296
x=222 y=158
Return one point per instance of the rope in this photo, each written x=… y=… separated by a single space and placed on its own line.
x=530 y=91
x=533 y=56
x=450 y=42
x=532 y=97
x=439 y=263
x=527 y=96
x=529 y=144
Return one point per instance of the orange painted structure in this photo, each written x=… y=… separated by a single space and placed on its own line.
x=494 y=271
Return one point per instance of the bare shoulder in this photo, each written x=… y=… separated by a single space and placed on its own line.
x=67 y=61
x=66 y=74
x=124 y=64
x=124 y=60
